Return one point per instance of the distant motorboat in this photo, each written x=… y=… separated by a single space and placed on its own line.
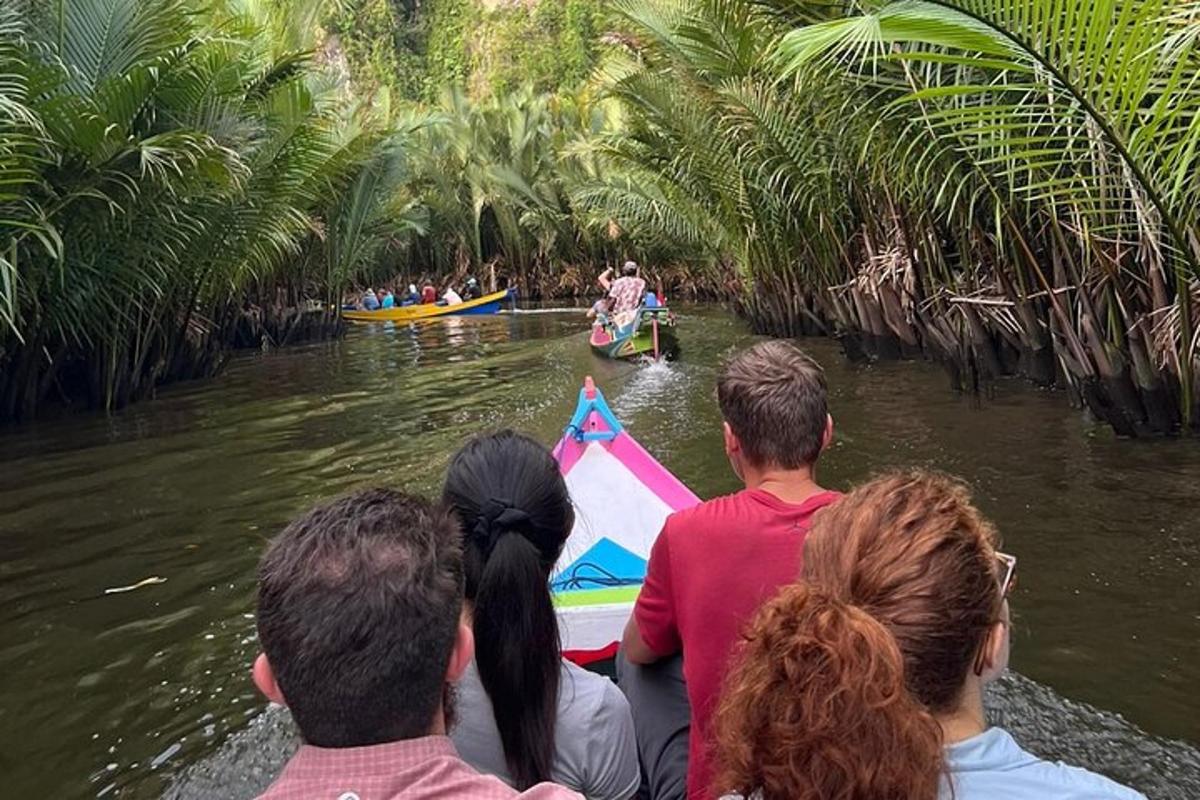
x=488 y=304
x=651 y=332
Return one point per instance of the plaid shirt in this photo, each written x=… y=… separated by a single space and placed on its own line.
x=417 y=769
x=627 y=293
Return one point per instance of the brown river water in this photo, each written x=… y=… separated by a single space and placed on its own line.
x=146 y=692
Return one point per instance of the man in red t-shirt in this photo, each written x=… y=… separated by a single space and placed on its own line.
x=713 y=565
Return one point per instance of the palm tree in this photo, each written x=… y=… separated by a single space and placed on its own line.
x=170 y=164
x=1004 y=185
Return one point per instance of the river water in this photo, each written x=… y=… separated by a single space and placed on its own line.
x=146 y=690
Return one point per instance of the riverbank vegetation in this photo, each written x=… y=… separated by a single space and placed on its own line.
x=173 y=183
x=1006 y=186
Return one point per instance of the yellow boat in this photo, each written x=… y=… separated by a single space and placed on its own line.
x=488 y=304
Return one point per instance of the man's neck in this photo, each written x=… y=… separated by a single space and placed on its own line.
x=968 y=719
x=438 y=728
x=789 y=485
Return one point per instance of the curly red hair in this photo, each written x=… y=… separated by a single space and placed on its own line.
x=833 y=692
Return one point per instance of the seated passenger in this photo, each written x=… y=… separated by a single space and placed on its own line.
x=389 y=300
x=360 y=617
x=452 y=297
x=526 y=714
x=714 y=564
x=370 y=301
x=626 y=291
x=599 y=311
x=866 y=678
x=472 y=290
x=412 y=297
x=428 y=294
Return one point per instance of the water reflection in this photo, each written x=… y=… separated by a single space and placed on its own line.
x=107 y=693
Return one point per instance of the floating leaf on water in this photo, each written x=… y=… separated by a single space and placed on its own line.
x=151 y=581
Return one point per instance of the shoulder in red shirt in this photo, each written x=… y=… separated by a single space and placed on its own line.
x=711 y=568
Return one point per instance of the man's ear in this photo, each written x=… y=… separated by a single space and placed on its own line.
x=464 y=648
x=732 y=444
x=827 y=436
x=264 y=679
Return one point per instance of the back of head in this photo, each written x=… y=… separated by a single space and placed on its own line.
x=815 y=709
x=913 y=552
x=358 y=608
x=629 y=268
x=841 y=676
x=774 y=398
x=516 y=515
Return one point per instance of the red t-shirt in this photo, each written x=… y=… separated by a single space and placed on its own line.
x=428 y=295
x=710 y=569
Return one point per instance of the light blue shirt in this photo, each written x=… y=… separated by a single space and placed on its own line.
x=992 y=766
x=389 y=300
x=370 y=301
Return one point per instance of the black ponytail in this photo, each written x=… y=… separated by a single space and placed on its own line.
x=516 y=515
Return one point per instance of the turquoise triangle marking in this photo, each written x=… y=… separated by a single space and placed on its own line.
x=605 y=565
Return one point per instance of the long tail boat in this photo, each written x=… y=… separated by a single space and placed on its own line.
x=622 y=496
x=651 y=333
x=487 y=304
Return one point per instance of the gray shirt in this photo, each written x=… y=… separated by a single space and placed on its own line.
x=595 y=749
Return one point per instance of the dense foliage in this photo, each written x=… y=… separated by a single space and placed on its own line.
x=1005 y=185
x=487 y=48
x=170 y=181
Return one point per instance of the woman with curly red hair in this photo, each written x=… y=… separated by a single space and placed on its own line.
x=865 y=680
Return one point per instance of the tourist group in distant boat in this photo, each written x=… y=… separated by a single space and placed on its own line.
x=787 y=641
x=378 y=299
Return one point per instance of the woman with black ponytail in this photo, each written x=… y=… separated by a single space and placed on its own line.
x=525 y=714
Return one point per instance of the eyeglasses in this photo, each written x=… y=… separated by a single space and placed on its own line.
x=1008 y=569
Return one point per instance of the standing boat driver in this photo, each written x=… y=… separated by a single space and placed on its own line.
x=626 y=292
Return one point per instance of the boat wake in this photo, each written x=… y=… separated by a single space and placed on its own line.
x=654 y=385
x=556 y=310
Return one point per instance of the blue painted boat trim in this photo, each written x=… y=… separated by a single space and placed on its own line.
x=487 y=308
x=583 y=409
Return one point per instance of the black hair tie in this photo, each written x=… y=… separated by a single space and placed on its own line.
x=496 y=518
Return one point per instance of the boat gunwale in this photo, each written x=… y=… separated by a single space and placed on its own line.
x=418 y=312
